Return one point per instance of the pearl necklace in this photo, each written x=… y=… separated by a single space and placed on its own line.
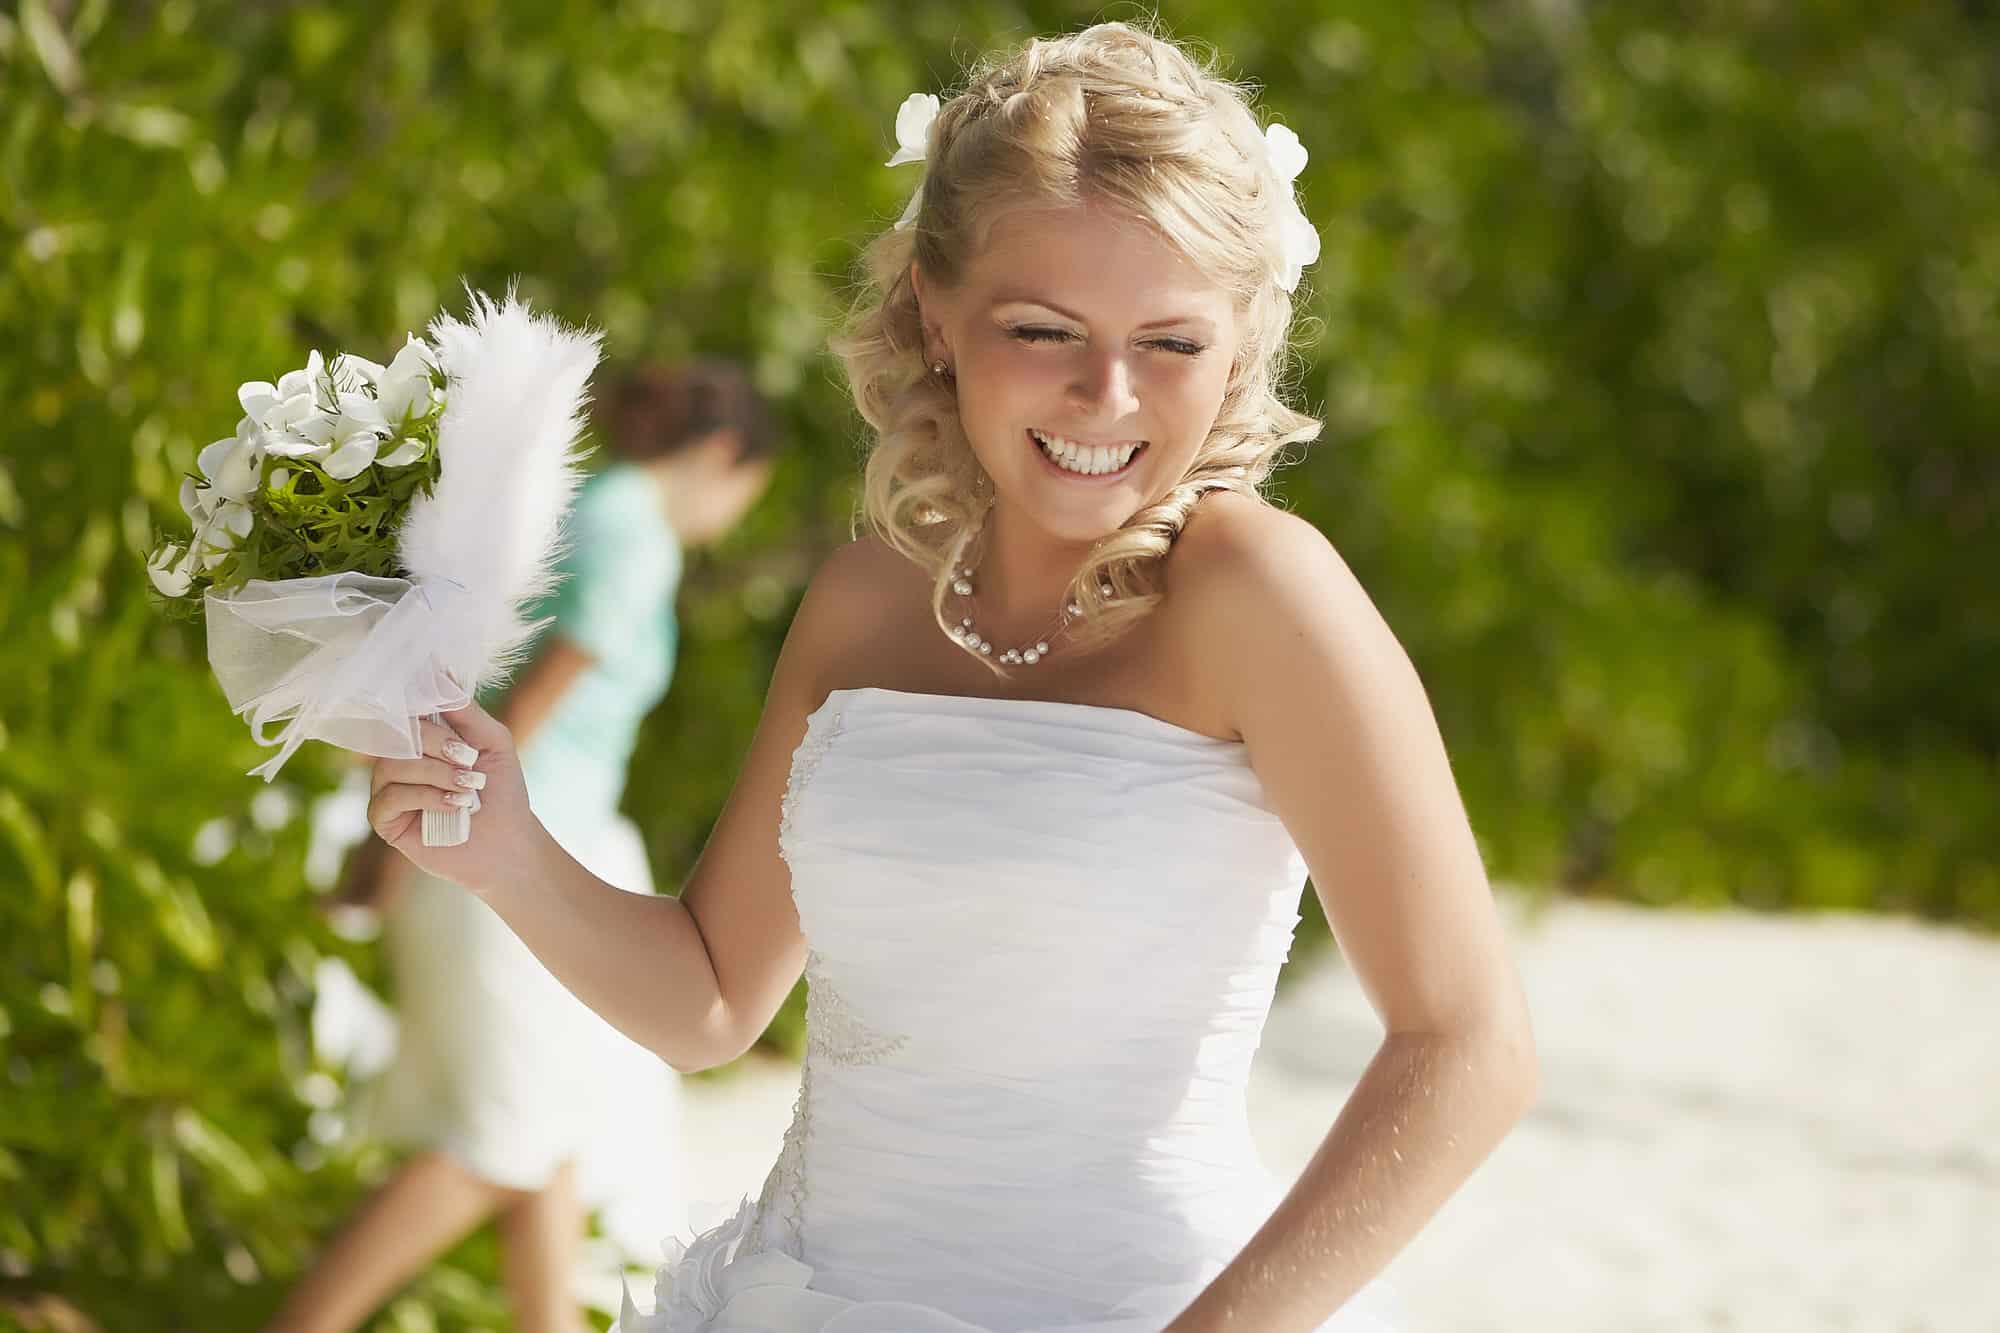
x=1026 y=655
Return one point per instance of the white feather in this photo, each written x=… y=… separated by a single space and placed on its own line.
x=508 y=455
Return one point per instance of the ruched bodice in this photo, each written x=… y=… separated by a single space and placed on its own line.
x=1085 y=863
x=1043 y=942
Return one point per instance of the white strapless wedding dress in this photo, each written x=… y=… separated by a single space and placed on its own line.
x=1044 y=938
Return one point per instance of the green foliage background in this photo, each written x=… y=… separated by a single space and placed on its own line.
x=1656 y=343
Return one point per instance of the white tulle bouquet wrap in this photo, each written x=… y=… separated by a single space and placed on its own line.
x=365 y=545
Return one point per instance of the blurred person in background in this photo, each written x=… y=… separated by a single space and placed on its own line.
x=520 y=1102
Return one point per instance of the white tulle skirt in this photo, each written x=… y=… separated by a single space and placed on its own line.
x=724 y=1282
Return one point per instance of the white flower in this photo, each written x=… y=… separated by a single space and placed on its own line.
x=217 y=535
x=215 y=505
x=358 y=411
x=353 y=433
x=1301 y=247
x=913 y=128
x=285 y=419
x=1288 y=155
x=409 y=451
x=308 y=437
x=1298 y=239
x=352 y=373
x=227 y=521
x=353 y=456
x=414 y=355
x=171 y=569
x=322 y=414
x=260 y=398
x=195 y=500
x=405 y=389
x=231 y=465
x=296 y=382
x=289 y=411
x=341 y=437
x=913 y=134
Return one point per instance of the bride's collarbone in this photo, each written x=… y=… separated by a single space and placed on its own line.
x=1127 y=676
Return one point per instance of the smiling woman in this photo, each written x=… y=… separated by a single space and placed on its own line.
x=1110 y=388
x=1097 y=272
x=1041 y=931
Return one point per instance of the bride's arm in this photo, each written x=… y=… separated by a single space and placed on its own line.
x=695 y=979
x=1342 y=737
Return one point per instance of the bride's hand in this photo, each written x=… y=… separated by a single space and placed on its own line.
x=468 y=764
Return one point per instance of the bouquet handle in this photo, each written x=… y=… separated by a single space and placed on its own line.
x=446 y=828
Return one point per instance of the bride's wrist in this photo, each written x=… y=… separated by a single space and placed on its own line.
x=533 y=855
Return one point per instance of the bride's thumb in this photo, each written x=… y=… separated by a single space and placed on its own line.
x=480 y=728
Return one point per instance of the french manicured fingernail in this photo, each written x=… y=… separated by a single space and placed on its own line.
x=462 y=799
x=471 y=778
x=461 y=753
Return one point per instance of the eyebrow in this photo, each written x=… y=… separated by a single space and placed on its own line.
x=1199 y=321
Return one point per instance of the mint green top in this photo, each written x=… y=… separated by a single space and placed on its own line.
x=616 y=602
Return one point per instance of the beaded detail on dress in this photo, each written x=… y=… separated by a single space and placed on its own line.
x=834 y=1035
x=833 y=1032
x=781 y=1206
x=821 y=728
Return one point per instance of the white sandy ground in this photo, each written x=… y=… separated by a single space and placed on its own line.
x=1759 y=1123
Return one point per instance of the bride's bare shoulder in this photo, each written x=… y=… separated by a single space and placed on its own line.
x=855 y=596
x=1259 y=595
x=1237 y=549
x=860 y=569
x=861 y=582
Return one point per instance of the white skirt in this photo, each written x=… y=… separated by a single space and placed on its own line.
x=503 y=1069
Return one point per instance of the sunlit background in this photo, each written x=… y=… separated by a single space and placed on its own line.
x=1656 y=344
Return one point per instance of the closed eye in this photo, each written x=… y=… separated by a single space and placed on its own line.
x=1036 y=333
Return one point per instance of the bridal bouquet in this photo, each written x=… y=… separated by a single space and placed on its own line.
x=365 y=544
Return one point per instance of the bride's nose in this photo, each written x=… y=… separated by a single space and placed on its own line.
x=1103 y=386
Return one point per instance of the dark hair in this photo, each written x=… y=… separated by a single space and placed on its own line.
x=655 y=411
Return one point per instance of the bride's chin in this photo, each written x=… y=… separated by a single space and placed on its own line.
x=1074 y=525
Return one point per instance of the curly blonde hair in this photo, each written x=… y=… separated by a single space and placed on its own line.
x=1116 y=115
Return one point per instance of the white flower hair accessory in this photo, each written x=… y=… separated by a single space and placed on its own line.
x=1299 y=240
x=913 y=135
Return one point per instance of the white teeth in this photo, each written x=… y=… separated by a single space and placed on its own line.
x=1085 y=460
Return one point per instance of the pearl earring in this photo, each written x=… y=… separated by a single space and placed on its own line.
x=940 y=371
